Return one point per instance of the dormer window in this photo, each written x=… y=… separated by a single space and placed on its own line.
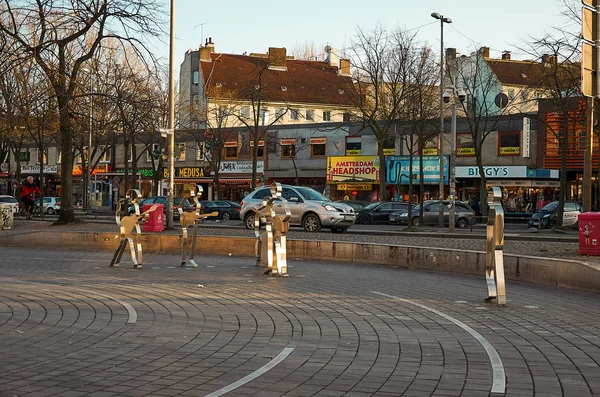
x=257 y=87
x=218 y=85
x=341 y=92
x=523 y=75
x=283 y=88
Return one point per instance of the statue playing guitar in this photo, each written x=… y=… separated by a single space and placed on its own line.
x=187 y=219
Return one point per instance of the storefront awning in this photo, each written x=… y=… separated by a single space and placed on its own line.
x=234 y=181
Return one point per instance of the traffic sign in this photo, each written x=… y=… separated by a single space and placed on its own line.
x=14 y=184
x=116 y=179
x=115 y=184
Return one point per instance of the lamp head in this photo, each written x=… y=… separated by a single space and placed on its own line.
x=462 y=95
x=447 y=20
x=446 y=97
x=436 y=15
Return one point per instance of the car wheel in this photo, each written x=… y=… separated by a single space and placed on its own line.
x=462 y=223
x=51 y=211
x=416 y=221
x=226 y=216
x=249 y=221
x=365 y=220
x=339 y=229
x=311 y=223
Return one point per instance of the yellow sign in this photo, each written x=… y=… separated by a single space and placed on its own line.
x=463 y=151
x=430 y=151
x=353 y=152
x=354 y=186
x=353 y=169
x=185 y=172
x=389 y=152
x=510 y=150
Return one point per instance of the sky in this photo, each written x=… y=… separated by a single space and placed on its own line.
x=254 y=26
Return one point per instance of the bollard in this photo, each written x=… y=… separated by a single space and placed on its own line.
x=127 y=224
x=494 y=258
x=6 y=217
x=275 y=234
x=187 y=219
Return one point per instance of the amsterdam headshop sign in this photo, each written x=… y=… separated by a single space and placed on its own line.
x=500 y=171
x=240 y=167
x=397 y=168
x=353 y=169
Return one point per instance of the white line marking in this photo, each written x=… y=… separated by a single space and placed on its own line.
x=498 y=375
x=268 y=366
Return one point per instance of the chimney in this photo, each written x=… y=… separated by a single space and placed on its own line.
x=344 y=67
x=277 y=59
x=546 y=59
x=485 y=52
x=333 y=58
x=450 y=54
x=209 y=48
x=506 y=55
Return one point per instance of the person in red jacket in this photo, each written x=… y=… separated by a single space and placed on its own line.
x=28 y=192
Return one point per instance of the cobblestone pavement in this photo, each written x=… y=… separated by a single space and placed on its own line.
x=518 y=243
x=72 y=326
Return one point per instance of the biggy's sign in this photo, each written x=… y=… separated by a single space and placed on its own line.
x=349 y=169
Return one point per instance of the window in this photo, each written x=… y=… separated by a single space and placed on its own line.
x=264 y=116
x=262 y=193
x=511 y=94
x=464 y=144
x=509 y=143
x=389 y=145
x=353 y=145
x=230 y=150
x=260 y=152
x=310 y=115
x=279 y=112
x=289 y=194
x=180 y=151
x=105 y=154
x=130 y=154
x=294 y=114
x=200 y=151
x=59 y=157
x=346 y=117
x=288 y=148
x=195 y=101
x=37 y=156
x=327 y=115
x=431 y=148
x=318 y=147
x=245 y=112
x=195 y=76
x=154 y=152
x=85 y=156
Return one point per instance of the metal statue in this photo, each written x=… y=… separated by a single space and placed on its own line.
x=276 y=229
x=187 y=219
x=127 y=224
x=494 y=258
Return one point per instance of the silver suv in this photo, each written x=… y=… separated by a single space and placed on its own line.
x=309 y=209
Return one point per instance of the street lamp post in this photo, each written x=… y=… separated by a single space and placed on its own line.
x=88 y=175
x=441 y=154
x=171 y=126
x=456 y=97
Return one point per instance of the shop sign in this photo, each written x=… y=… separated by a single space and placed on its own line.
x=145 y=172
x=358 y=169
x=185 y=172
x=35 y=169
x=465 y=151
x=353 y=152
x=389 y=152
x=78 y=170
x=526 y=136
x=430 y=151
x=318 y=141
x=510 y=150
x=288 y=142
x=240 y=167
x=355 y=186
x=508 y=171
x=398 y=172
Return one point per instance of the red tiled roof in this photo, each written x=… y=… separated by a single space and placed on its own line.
x=311 y=82
x=523 y=73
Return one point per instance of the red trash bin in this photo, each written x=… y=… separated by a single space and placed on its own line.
x=155 y=220
x=589 y=233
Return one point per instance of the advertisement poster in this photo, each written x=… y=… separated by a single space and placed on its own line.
x=353 y=169
x=397 y=168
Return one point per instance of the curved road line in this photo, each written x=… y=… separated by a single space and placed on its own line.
x=498 y=375
x=268 y=366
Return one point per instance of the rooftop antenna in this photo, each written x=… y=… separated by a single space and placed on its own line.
x=201 y=30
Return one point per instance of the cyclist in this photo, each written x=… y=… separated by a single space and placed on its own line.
x=28 y=192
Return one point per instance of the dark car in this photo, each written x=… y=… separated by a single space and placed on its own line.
x=356 y=204
x=431 y=214
x=226 y=210
x=548 y=215
x=379 y=212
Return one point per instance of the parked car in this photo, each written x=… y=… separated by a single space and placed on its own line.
x=431 y=214
x=548 y=215
x=51 y=205
x=309 y=209
x=357 y=205
x=379 y=212
x=12 y=202
x=225 y=209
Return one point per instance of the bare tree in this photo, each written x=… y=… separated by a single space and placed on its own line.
x=61 y=39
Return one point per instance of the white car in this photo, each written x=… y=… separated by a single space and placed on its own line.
x=51 y=205
x=10 y=200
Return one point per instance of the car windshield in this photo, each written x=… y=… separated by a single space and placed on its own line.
x=370 y=206
x=311 y=194
x=8 y=200
x=550 y=207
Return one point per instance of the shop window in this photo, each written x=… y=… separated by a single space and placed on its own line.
x=260 y=152
x=509 y=143
x=327 y=115
x=105 y=154
x=230 y=151
x=180 y=151
x=318 y=147
x=389 y=145
x=288 y=148
x=464 y=144
x=353 y=145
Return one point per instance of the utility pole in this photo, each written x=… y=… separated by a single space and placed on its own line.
x=171 y=126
